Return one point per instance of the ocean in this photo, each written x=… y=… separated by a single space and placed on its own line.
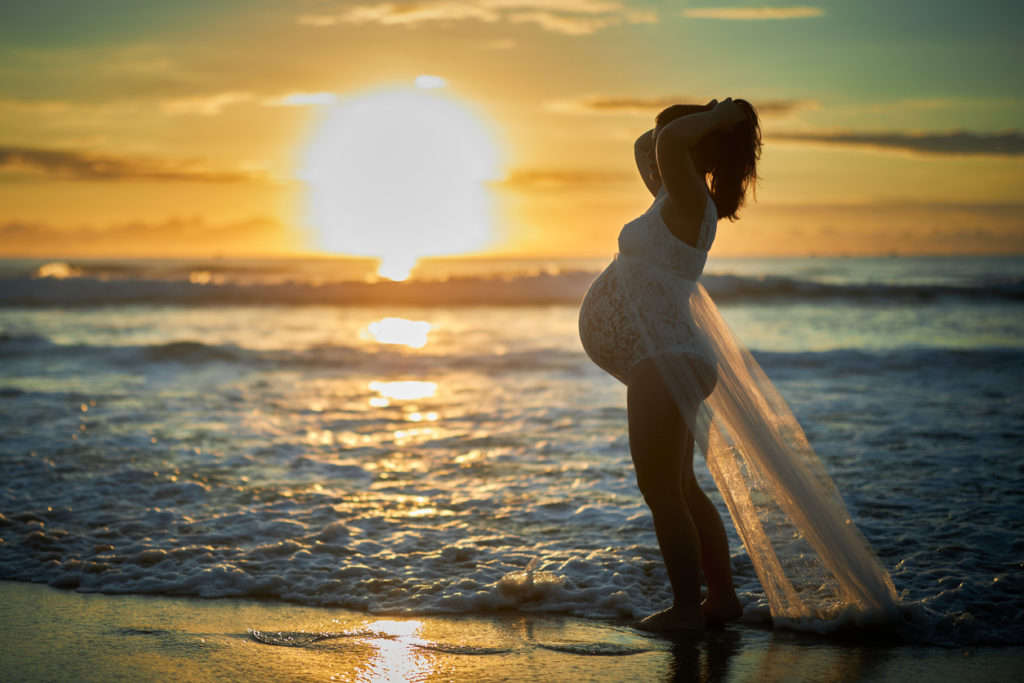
x=298 y=431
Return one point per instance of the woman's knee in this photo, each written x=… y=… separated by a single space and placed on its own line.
x=697 y=500
x=659 y=487
x=661 y=498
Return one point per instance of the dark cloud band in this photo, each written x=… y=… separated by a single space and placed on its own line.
x=648 y=106
x=539 y=179
x=84 y=166
x=956 y=143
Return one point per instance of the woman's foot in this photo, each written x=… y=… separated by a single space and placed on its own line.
x=721 y=611
x=672 y=619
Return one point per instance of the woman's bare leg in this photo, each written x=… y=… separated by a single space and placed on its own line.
x=721 y=603
x=657 y=438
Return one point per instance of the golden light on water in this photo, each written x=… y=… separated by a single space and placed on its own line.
x=58 y=270
x=412 y=333
x=408 y=390
x=400 y=174
x=396 y=657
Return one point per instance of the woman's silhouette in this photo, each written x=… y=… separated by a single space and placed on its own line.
x=646 y=321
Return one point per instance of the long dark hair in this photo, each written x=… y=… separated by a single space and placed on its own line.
x=730 y=155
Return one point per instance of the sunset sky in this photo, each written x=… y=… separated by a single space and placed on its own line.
x=188 y=127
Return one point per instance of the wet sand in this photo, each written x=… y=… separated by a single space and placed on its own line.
x=50 y=634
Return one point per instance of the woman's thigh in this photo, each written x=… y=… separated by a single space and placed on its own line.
x=660 y=440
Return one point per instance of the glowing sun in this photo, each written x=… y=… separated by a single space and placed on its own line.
x=400 y=173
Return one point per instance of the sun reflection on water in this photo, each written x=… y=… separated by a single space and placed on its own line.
x=396 y=658
x=411 y=333
x=406 y=390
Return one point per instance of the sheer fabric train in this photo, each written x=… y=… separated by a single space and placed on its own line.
x=816 y=568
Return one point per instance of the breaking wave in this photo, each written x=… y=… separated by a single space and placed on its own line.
x=530 y=289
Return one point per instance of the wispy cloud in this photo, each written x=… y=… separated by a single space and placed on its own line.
x=753 y=13
x=206 y=105
x=648 y=106
x=570 y=25
x=500 y=44
x=78 y=165
x=203 y=105
x=614 y=105
x=569 y=17
x=173 y=236
x=34 y=107
x=583 y=22
x=402 y=14
x=113 y=107
x=954 y=143
x=580 y=6
x=302 y=99
x=542 y=179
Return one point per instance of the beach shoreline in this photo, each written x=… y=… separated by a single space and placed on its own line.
x=54 y=634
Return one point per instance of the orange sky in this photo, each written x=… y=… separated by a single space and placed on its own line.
x=137 y=129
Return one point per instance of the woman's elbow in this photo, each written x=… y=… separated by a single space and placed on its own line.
x=671 y=145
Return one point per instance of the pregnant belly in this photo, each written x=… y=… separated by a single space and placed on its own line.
x=607 y=329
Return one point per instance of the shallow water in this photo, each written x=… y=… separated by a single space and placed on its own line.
x=298 y=452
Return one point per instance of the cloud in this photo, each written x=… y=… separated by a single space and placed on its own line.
x=206 y=105
x=430 y=82
x=569 y=17
x=34 y=107
x=176 y=236
x=403 y=14
x=118 y=106
x=752 y=13
x=577 y=6
x=874 y=228
x=76 y=165
x=543 y=179
x=648 y=106
x=301 y=99
x=570 y=25
x=954 y=143
x=581 y=24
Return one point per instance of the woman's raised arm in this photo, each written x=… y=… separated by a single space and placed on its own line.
x=642 y=152
x=685 y=183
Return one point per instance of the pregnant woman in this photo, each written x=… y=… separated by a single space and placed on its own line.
x=647 y=322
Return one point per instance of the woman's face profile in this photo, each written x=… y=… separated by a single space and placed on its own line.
x=652 y=158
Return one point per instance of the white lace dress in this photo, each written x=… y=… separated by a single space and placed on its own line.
x=639 y=306
x=817 y=570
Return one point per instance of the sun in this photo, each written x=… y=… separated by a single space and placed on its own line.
x=401 y=173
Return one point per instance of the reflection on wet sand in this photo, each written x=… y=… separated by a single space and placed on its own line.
x=104 y=637
x=395 y=658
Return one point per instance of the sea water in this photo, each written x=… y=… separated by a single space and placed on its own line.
x=296 y=430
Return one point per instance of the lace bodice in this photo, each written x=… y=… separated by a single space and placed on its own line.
x=648 y=238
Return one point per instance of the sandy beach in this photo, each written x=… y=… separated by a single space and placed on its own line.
x=52 y=634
